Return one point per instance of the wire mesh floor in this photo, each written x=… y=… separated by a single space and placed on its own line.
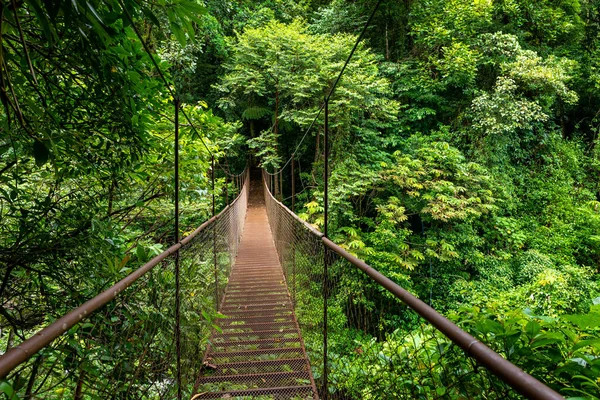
x=259 y=352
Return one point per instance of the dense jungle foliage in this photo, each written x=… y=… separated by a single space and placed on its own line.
x=463 y=161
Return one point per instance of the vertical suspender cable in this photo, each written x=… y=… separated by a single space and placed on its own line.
x=293 y=187
x=212 y=177
x=358 y=40
x=326 y=197
x=325 y=261
x=293 y=241
x=281 y=185
x=177 y=270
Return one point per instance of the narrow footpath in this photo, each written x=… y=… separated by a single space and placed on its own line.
x=260 y=352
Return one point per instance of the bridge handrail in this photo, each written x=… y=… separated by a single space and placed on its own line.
x=512 y=375
x=308 y=226
x=17 y=355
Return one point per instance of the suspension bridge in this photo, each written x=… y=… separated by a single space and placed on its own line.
x=259 y=345
x=257 y=304
x=239 y=309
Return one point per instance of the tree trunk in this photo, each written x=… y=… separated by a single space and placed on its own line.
x=387 y=43
x=11 y=338
x=280 y=185
x=79 y=389
x=317 y=142
x=7 y=273
x=111 y=195
x=31 y=382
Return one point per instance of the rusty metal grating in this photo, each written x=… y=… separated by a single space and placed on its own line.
x=259 y=352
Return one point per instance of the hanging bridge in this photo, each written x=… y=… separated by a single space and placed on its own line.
x=259 y=346
x=257 y=304
x=248 y=307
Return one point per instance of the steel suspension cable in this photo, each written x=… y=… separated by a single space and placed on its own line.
x=461 y=359
x=177 y=260
x=229 y=173
x=164 y=79
x=30 y=347
x=301 y=140
x=178 y=109
x=358 y=40
x=333 y=87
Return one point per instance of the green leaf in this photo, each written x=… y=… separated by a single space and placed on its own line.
x=546 y=339
x=179 y=33
x=583 y=321
x=193 y=7
x=532 y=328
x=87 y=326
x=490 y=326
x=595 y=343
x=7 y=389
x=53 y=7
x=42 y=18
x=150 y=15
x=188 y=27
x=140 y=252
x=74 y=3
x=93 y=10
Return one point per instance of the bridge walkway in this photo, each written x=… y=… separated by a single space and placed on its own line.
x=259 y=351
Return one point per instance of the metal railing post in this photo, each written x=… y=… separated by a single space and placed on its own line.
x=17 y=355
x=177 y=269
x=293 y=250
x=293 y=241
x=276 y=180
x=325 y=258
x=229 y=230
x=293 y=187
x=212 y=175
x=281 y=185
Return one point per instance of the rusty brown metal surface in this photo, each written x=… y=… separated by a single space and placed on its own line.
x=229 y=220
x=259 y=350
x=295 y=237
x=522 y=382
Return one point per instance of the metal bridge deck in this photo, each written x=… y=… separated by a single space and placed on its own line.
x=259 y=351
